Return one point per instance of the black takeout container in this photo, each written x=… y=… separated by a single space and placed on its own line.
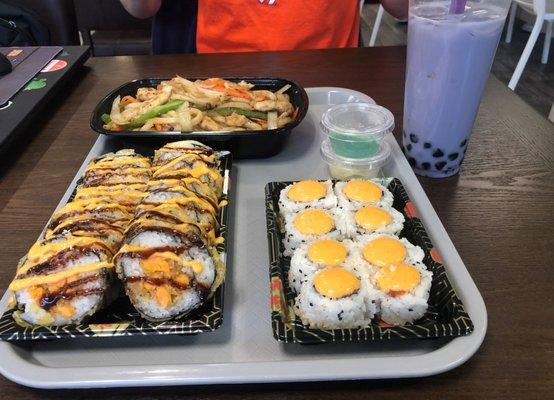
x=446 y=316
x=243 y=144
x=120 y=318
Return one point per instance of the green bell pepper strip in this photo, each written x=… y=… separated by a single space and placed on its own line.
x=155 y=112
x=105 y=118
x=226 y=111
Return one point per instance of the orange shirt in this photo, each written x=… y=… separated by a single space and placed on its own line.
x=255 y=25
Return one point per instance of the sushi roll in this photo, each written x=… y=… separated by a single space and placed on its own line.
x=188 y=159
x=403 y=291
x=309 y=225
x=160 y=190
x=307 y=194
x=309 y=258
x=125 y=195
x=357 y=193
x=62 y=280
x=124 y=167
x=192 y=165
x=371 y=219
x=176 y=149
x=380 y=250
x=335 y=298
x=168 y=269
x=97 y=210
x=122 y=159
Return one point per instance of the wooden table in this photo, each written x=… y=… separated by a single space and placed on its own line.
x=498 y=212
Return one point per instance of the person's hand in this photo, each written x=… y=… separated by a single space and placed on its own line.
x=397 y=8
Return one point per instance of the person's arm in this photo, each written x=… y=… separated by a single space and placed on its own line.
x=142 y=8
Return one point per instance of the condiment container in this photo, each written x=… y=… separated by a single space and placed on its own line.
x=347 y=168
x=355 y=130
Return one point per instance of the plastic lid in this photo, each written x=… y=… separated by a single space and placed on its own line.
x=357 y=119
x=376 y=161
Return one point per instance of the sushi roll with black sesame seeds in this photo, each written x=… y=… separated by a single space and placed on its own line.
x=370 y=219
x=335 y=298
x=307 y=226
x=381 y=249
x=309 y=258
x=307 y=194
x=357 y=193
x=403 y=291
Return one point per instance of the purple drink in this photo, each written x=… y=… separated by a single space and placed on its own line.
x=449 y=60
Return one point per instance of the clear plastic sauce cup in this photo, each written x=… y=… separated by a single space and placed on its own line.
x=348 y=168
x=355 y=130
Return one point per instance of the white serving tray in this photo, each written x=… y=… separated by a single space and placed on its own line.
x=243 y=349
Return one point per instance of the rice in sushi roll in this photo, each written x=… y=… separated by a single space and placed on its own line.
x=335 y=298
x=309 y=225
x=307 y=194
x=311 y=257
x=403 y=291
x=371 y=219
x=357 y=193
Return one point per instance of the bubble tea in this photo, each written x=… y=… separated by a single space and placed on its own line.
x=450 y=53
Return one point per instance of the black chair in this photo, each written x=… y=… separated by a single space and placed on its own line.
x=110 y=31
x=59 y=18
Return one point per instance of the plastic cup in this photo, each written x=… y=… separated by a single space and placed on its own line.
x=451 y=47
x=347 y=168
x=356 y=130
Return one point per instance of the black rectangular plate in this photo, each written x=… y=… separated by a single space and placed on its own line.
x=121 y=319
x=446 y=316
x=243 y=144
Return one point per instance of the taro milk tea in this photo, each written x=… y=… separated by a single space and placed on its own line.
x=449 y=60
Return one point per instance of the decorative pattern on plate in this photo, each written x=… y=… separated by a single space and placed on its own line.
x=121 y=319
x=446 y=316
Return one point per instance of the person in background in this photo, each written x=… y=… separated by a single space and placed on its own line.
x=209 y=26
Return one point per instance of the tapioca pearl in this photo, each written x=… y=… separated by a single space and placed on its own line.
x=427 y=145
x=440 y=165
x=425 y=165
x=414 y=138
x=438 y=153
x=464 y=142
x=412 y=161
x=409 y=147
x=453 y=156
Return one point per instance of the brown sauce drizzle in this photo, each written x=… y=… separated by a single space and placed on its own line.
x=188 y=238
x=65 y=256
x=96 y=211
x=91 y=224
x=51 y=299
x=147 y=252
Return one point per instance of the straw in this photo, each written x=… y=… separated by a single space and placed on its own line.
x=457 y=6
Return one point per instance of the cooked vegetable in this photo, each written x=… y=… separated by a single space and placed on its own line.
x=226 y=111
x=213 y=104
x=155 y=112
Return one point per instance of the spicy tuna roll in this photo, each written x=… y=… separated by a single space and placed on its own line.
x=62 y=280
x=168 y=269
